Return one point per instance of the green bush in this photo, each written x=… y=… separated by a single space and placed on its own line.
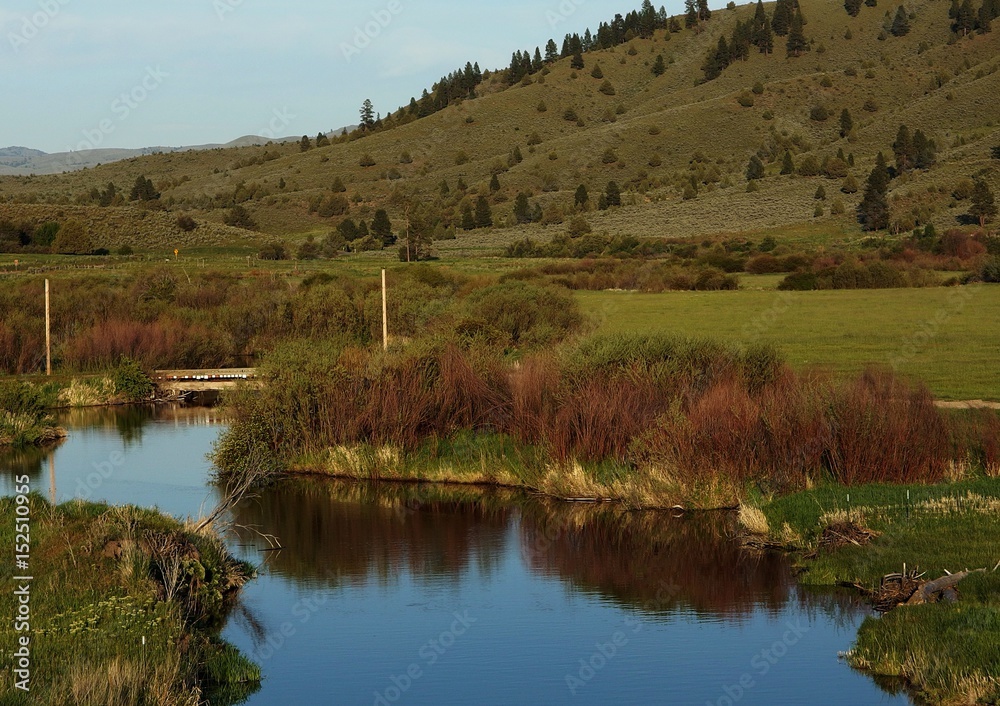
x=131 y=382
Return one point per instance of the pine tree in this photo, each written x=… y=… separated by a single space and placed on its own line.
x=484 y=215
x=551 y=52
x=853 y=7
x=613 y=194
x=494 y=184
x=381 y=228
x=761 y=34
x=659 y=66
x=690 y=13
x=796 y=35
x=536 y=61
x=577 y=61
x=873 y=211
x=717 y=60
x=522 y=209
x=581 y=197
x=143 y=190
x=468 y=220
x=900 y=23
x=781 y=20
x=367 y=113
x=902 y=148
x=965 y=19
x=846 y=123
x=704 y=14
x=305 y=144
x=755 y=169
x=984 y=206
x=924 y=151
x=787 y=165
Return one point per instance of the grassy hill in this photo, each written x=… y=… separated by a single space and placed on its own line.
x=652 y=136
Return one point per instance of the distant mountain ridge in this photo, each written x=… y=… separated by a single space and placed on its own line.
x=24 y=161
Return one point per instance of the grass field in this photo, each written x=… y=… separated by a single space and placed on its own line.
x=946 y=337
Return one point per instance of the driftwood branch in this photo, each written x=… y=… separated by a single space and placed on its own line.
x=945 y=586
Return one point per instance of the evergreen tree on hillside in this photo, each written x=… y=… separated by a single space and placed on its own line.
x=755 y=169
x=704 y=14
x=468 y=220
x=796 y=35
x=522 y=209
x=551 y=52
x=873 y=211
x=659 y=66
x=717 y=60
x=613 y=194
x=577 y=61
x=924 y=151
x=484 y=215
x=305 y=144
x=781 y=20
x=367 y=113
x=984 y=206
x=494 y=184
x=739 y=44
x=536 y=61
x=381 y=228
x=900 y=23
x=846 y=123
x=787 y=164
x=143 y=190
x=761 y=34
x=853 y=7
x=903 y=150
x=581 y=197
x=690 y=13
x=965 y=18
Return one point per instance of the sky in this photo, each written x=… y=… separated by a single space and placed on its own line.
x=86 y=74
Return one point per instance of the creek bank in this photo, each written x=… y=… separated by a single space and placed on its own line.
x=126 y=608
x=940 y=634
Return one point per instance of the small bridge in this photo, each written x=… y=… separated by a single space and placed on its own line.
x=183 y=381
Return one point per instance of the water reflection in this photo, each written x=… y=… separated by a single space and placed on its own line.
x=337 y=533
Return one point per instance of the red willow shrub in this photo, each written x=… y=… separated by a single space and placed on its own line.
x=884 y=431
x=696 y=411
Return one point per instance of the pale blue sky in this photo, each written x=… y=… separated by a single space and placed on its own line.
x=136 y=73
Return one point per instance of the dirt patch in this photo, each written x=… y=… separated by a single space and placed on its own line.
x=966 y=404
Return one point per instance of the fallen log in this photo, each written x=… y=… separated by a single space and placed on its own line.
x=931 y=591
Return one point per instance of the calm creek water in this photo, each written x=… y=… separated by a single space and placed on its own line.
x=424 y=595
